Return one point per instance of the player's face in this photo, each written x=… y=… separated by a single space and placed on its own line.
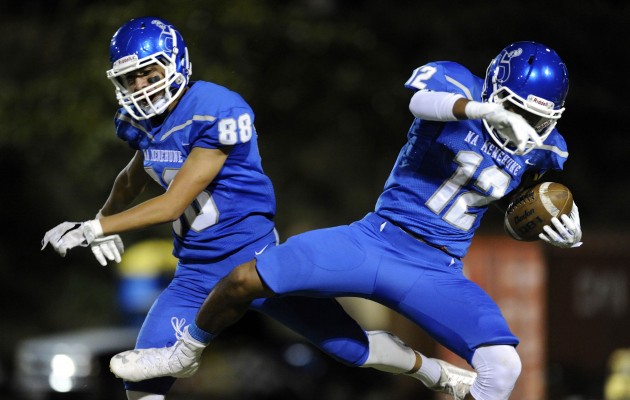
x=143 y=77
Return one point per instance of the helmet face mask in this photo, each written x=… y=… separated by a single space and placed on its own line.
x=148 y=101
x=529 y=79
x=144 y=43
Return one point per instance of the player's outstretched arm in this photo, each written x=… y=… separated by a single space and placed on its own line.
x=199 y=169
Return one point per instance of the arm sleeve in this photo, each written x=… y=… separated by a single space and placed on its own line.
x=433 y=106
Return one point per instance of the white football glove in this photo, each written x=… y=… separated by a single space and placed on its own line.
x=107 y=248
x=508 y=124
x=565 y=234
x=69 y=235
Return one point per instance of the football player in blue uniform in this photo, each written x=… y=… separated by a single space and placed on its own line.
x=473 y=142
x=198 y=141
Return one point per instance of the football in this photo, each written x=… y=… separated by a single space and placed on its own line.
x=534 y=208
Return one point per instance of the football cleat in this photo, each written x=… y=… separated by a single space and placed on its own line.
x=181 y=360
x=454 y=381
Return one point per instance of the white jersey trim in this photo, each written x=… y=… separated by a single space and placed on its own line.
x=554 y=149
x=460 y=86
x=208 y=118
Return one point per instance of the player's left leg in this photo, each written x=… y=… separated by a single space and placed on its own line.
x=161 y=359
x=181 y=359
x=162 y=327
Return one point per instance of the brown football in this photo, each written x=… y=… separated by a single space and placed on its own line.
x=534 y=208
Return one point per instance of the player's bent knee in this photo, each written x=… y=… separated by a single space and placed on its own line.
x=243 y=283
x=498 y=368
x=348 y=352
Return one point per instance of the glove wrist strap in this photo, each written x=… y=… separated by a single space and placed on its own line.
x=93 y=230
x=477 y=109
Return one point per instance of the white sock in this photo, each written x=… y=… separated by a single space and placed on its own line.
x=388 y=353
x=429 y=372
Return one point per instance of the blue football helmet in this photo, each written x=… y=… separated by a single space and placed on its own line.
x=530 y=79
x=138 y=44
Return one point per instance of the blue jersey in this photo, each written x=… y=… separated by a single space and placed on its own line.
x=238 y=206
x=448 y=173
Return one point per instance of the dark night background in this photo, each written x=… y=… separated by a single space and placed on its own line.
x=325 y=79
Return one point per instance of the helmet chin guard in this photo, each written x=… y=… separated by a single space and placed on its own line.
x=142 y=42
x=530 y=79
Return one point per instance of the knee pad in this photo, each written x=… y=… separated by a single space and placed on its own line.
x=498 y=367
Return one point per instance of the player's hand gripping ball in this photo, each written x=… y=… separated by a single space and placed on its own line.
x=534 y=208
